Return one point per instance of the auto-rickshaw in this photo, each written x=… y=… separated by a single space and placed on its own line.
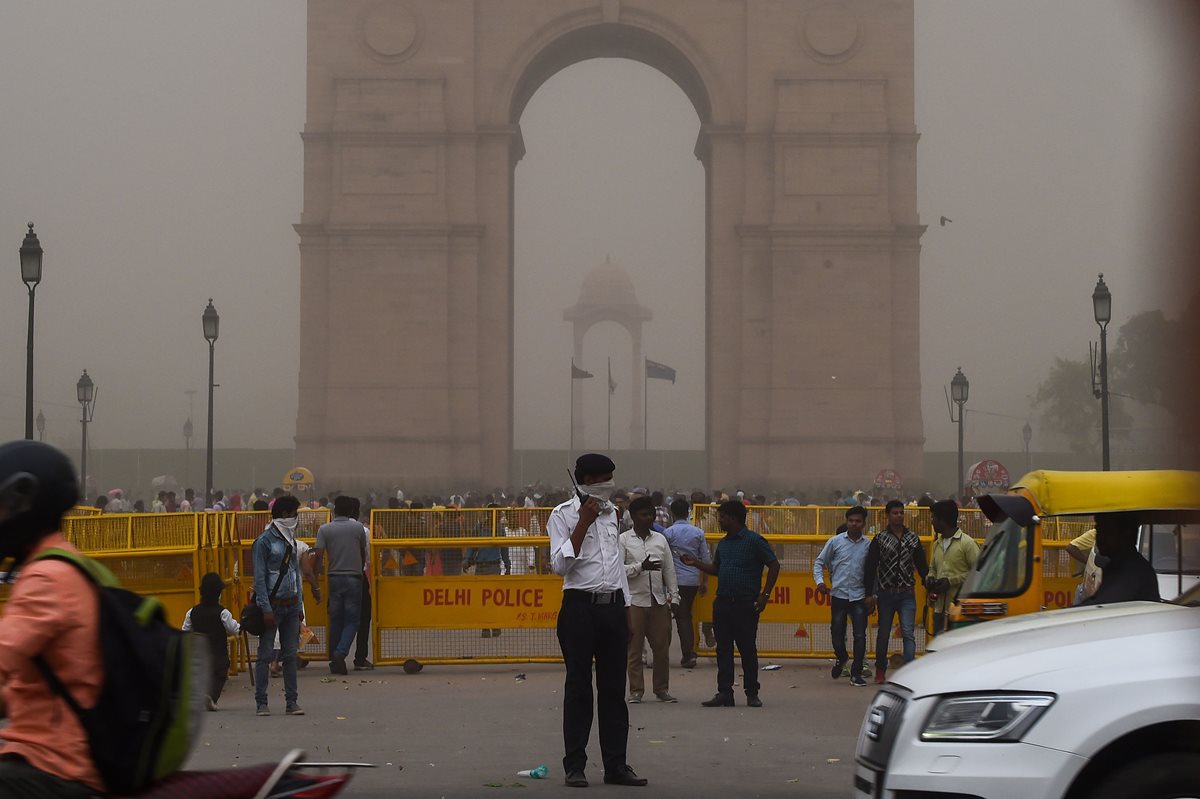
x=1023 y=566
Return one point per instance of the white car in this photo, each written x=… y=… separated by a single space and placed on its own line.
x=1093 y=702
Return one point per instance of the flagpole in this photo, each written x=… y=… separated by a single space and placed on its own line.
x=571 y=437
x=610 y=393
x=645 y=408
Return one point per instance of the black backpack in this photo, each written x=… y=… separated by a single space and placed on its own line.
x=150 y=706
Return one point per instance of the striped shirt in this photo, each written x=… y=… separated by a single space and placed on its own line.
x=891 y=560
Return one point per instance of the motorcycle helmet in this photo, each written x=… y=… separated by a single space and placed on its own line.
x=37 y=486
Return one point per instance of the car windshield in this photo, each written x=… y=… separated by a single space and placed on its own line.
x=1159 y=544
x=1003 y=567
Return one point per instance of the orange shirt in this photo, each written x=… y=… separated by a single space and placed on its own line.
x=53 y=611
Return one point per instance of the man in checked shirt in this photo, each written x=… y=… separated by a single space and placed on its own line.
x=888 y=580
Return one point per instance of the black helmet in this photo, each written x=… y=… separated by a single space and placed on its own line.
x=37 y=486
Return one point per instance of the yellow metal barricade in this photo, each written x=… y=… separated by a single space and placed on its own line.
x=151 y=554
x=435 y=593
x=432 y=601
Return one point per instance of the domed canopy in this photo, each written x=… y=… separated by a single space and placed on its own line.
x=608 y=292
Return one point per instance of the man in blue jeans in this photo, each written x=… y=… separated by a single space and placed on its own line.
x=845 y=557
x=277 y=590
x=888 y=581
x=344 y=540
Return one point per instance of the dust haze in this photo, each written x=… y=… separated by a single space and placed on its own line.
x=156 y=146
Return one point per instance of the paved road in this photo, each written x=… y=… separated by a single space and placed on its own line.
x=453 y=730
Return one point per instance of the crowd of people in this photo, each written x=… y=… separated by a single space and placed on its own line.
x=536 y=495
x=627 y=570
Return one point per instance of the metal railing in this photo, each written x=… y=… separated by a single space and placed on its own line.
x=436 y=593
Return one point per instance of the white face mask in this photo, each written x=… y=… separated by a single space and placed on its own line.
x=601 y=491
x=287 y=526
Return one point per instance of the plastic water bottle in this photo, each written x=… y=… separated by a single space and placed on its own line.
x=538 y=773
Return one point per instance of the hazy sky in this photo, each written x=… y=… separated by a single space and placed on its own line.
x=156 y=145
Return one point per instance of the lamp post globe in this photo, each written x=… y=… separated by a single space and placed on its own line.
x=31 y=275
x=212 y=322
x=85 y=389
x=31 y=259
x=1102 y=302
x=960 y=387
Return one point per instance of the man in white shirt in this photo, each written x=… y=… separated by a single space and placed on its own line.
x=653 y=590
x=593 y=624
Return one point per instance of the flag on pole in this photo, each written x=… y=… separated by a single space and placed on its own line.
x=612 y=384
x=659 y=371
x=579 y=374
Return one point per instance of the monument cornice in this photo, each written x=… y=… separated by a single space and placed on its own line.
x=308 y=231
x=784 y=238
x=375 y=438
x=829 y=137
x=781 y=440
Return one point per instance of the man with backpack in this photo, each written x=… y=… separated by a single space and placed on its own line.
x=277 y=591
x=52 y=613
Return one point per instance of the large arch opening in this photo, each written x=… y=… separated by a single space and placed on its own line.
x=609 y=188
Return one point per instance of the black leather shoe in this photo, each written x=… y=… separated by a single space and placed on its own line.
x=364 y=665
x=575 y=779
x=720 y=700
x=752 y=700
x=626 y=777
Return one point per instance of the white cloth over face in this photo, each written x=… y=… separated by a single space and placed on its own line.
x=599 y=565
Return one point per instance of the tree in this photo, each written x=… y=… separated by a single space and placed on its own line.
x=1068 y=406
x=1152 y=358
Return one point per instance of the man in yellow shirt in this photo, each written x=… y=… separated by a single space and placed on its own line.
x=1083 y=551
x=953 y=558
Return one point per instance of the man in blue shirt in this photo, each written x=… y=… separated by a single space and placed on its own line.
x=686 y=538
x=492 y=560
x=741 y=597
x=845 y=556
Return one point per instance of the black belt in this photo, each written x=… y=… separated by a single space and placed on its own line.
x=594 y=597
x=346 y=574
x=732 y=599
x=488 y=562
x=287 y=602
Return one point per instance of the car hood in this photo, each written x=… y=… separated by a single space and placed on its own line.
x=1006 y=653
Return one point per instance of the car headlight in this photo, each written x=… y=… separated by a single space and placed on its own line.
x=990 y=717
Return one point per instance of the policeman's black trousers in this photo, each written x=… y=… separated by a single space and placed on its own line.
x=590 y=633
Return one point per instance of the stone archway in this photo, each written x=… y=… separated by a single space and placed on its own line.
x=608 y=295
x=809 y=147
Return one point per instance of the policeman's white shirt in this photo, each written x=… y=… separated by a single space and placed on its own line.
x=599 y=566
x=660 y=583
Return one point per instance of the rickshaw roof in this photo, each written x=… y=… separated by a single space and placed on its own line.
x=1059 y=493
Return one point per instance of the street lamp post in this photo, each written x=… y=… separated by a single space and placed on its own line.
x=1027 y=436
x=41 y=426
x=1102 y=310
x=85 y=392
x=31 y=275
x=212 y=324
x=960 y=389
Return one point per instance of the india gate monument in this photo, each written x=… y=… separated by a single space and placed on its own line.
x=808 y=142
